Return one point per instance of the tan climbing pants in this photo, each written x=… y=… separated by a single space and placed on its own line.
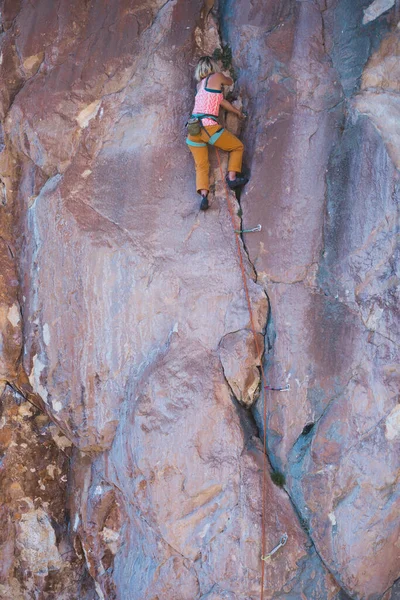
x=226 y=141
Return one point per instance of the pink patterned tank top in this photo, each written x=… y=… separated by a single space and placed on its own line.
x=207 y=101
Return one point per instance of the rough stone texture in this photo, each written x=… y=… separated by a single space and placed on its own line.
x=10 y=317
x=375 y=9
x=36 y=556
x=240 y=360
x=379 y=97
x=136 y=332
x=328 y=256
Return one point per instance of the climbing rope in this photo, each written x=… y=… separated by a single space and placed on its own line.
x=265 y=386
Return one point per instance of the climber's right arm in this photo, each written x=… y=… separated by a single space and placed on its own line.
x=230 y=108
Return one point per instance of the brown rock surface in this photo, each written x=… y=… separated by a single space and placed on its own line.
x=36 y=557
x=10 y=317
x=240 y=360
x=136 y=332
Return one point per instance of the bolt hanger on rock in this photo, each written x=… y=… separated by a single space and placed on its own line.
x=278 y=389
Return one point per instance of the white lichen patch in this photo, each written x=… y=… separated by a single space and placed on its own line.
x=204 y=531
x=34 y=378
x=111 y=539
x=26 y=410
x=393 y=424
x=88 y=113
x=99 y=591
x=374 y=318
x=36 y=541
x=14 y=315
x=59 y=439
x=86 y=173
x=208 y=38
x=76 y=522
x=52 y=470
x=46 y=334
x=332 y=518
x=89 y=563
x=376 y=9
x=57 y=406
x=32 y=63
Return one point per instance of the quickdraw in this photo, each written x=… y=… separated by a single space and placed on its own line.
x=282 y=542
x=252 y=230
x=278 y=389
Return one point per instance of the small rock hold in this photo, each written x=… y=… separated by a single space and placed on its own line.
x=376 y=9
x=393 y=424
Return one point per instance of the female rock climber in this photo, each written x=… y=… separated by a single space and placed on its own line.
x=208 y=100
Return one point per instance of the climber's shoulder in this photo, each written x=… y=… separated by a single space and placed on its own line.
x=217 y=79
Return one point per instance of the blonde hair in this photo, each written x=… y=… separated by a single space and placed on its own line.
x=206 y=66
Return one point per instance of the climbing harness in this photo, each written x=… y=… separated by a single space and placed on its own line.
x=195 y=124
x=282 y=542
x=265 y=386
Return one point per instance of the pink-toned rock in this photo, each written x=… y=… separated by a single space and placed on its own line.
x=351 y=483
x=379 y=94
x=136 y=329
x=197 y=506
x=240 y=359
x=140 y=357
x=375 y=9
x=327 y=255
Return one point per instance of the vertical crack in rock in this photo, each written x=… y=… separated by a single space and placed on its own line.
x=373 y=429
x=250 y=416
x=323 y=397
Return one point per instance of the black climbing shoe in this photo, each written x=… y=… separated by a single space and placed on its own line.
x=204 y=203
x=237 y=182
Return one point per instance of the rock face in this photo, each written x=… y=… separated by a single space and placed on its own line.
x=124 y=317
x=329 y=260
x=36 y=555
x=10 y=317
